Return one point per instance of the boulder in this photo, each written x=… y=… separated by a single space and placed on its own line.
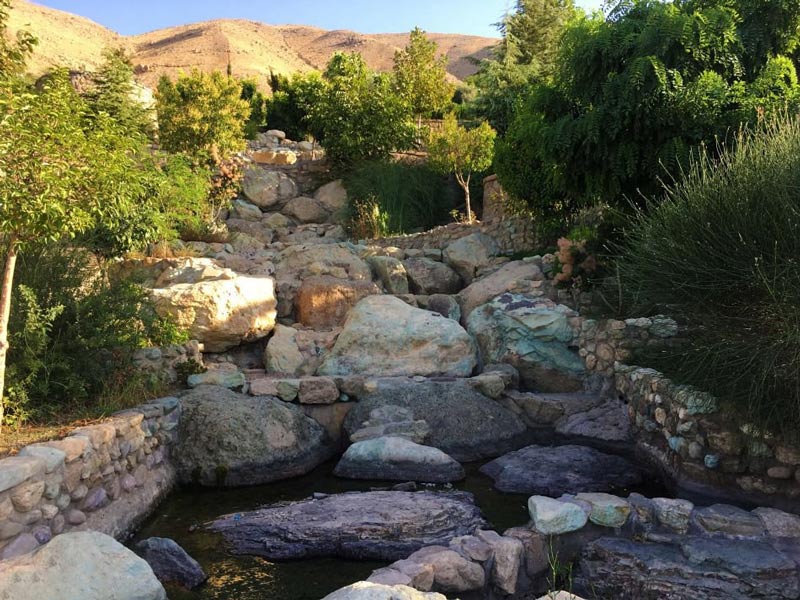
x=227 y=378
x=170 y=562
x=364 y=590
x=516 y=277
x=607 y=424
x=384 y=335
x=267 y=188
x=221 y=312
x=332 y=196
x=313 y=260
x=297 y=352
x=452 y=573
x=427 y=276
x=394 y=421
x=463 y=423
x=86 y=565
x=245 y=210
x=471 y=254
x=535 y=335
x=692 y=567
x=229 y=439
x=398 y=459
x=324 y=302
x=557 y=470
x=275 y=157
x=384 y=525
x=306 y=210
x=255 y=230
x=391 y=273
x=554 y=517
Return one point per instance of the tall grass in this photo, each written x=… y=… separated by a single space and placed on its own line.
x=405 y=198
x=722 y=254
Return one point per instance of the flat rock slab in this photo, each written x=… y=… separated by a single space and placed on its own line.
x=557 y=470
x=371 y=525
x=693 y=567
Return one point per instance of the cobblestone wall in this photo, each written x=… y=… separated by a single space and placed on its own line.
x=106 y=477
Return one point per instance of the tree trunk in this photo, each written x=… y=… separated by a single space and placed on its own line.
x=464 y=183
x=5 y=312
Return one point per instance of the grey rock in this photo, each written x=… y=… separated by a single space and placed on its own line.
x=16 y=469
x=608 y=422
x=365 y=590
x=779 y=523
x=369 y=525
x=728 y=520
x=464 y=423
x=390 y=420
x=398 y=459
x=229 y=439
x=426 y=276
x=696 y=567
x=22 y=544
x=469 y=255
x=391 y=272
x=170 y=562
x=556 y=470
x=82 y=565
x=452 y=573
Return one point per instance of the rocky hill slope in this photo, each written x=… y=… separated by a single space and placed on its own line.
x=254 y=49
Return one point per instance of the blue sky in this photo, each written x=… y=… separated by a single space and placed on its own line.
x=367 y=16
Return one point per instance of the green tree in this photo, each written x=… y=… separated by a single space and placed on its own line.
x=258 y=113
x=202 y=115
x=290 y=105
x=421 y=76
x=462 y=152
x=359 y=116
x=526 y=54
x=13 y=53
x=114 y=93
x=637 y=94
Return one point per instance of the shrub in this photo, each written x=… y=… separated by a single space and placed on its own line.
x=73 y=332
x=722 y=254
x=397 y=197
x=291 y=102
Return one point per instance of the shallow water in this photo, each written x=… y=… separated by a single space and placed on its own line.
x=234 y=577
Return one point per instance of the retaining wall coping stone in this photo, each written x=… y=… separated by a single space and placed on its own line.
x=17 y=469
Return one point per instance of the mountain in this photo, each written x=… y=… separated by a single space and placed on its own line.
x=253 y=49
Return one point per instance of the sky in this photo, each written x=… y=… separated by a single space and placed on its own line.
x=130 y=17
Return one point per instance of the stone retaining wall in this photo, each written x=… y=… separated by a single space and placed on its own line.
x=106 y=477
x=683 y=430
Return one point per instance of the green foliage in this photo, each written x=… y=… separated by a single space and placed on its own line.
x=462 y=152
x=720 y=253
x=527 y=54
x=73 y=330
x=638 y=93
x=358 y=115
x=13 y=53
x=421 y=77
x=113 y=92
x=258 y=111
x=392 y=197
x=202 y=115
x=291 y=102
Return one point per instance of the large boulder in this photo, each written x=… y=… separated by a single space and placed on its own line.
x=333 y=196
x=364 y=590
x=324 y=302
x=535 y=335
x=312 y=260
x=384 y=335
x=228 y=439
x=81 y=565
x=306 y=210
x=218 y=307
x=267 y=188
x=707 y=568
x=463 y=423
x=557 y=470
x=398 y=459
x=370 y=525
x=517 y=277
x=471 y=254
x=427 y=276
x=299 y=352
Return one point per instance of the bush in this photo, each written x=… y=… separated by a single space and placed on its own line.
x=73 y=332
x=291 y=102
x=397 y=198
x=722 y=254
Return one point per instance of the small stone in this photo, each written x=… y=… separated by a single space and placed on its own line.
x=27 y=518
x=79 y=493
x=711 y=461
x=553 y=517
x=788 y=455
x=318 y=390
x=43 y=534
x=63 y=501
x=58 y=524
x=76 y=517
x=421 y=575
x=607 y=510
x=232 y=380
x=49 y=511
x=288 y=389
x=696 y=451
x=21 y=545
x=170 y=562
x=27 y=495
x=51 y=489
x=472 y=547
x=643 y=508
x=781 y=472
x=128 y=482
x=673 y=513
x=9 y=529
x=6 y=508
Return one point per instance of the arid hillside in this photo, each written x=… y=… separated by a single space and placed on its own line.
x=253 y=49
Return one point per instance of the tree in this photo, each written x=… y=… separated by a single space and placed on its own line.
x=114 y=93
x=462 y=152
x=13 y=53
x=258 y=113
x=202 y=115
x=359 y=116
x=292 y=100
x=637 y=94
x=421 y=76
x=526 y=54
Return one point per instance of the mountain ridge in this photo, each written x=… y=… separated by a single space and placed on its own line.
x=253 y=48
